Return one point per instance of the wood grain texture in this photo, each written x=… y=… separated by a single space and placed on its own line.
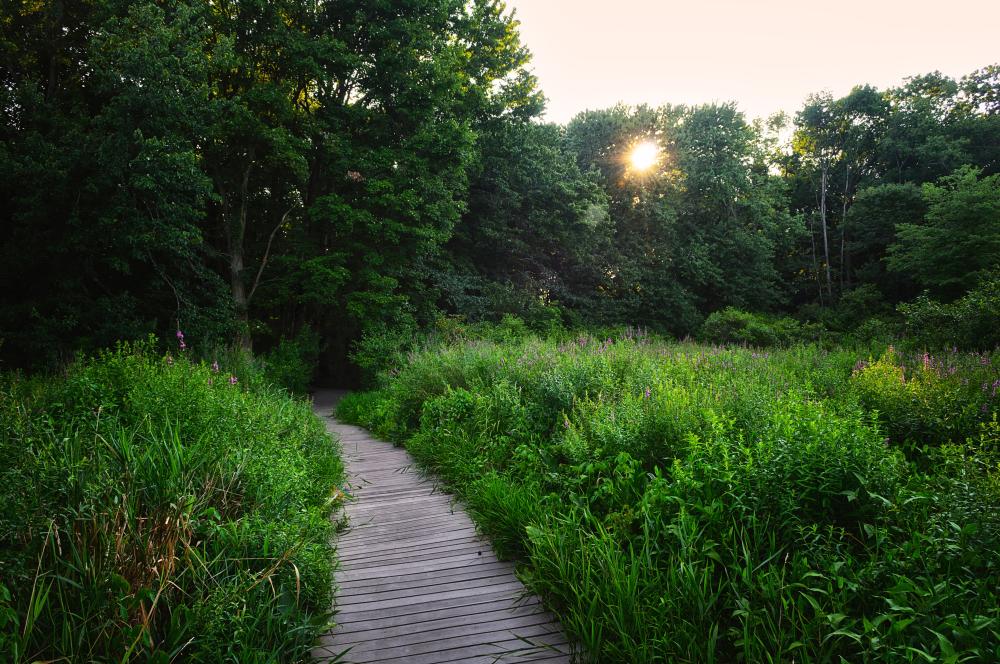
x=416 y=583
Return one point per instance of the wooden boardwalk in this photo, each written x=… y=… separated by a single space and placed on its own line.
x=416 y=584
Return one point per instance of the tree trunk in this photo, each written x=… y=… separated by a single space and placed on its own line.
x=235 y=235
x=812 y=244
x=845 y=268
x=822 y=216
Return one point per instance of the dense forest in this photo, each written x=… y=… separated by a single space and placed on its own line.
x=725 y=388
x=321 y=171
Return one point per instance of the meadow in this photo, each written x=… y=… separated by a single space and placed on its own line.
x=158 y=508
x=677 y=502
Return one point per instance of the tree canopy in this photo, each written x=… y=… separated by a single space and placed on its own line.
x=249 y=169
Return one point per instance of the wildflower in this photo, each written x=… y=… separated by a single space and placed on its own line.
x=180 y=335
x=170 y=359
x=927 y=361
x=647 y=393
x=210 y=381
x=565 y=422
x=215 y=366
x=233 y=380
x=183 y=345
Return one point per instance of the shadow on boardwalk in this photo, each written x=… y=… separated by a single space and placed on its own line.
x=416 y=583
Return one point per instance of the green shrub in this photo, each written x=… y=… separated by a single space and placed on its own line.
x=926 y=399
x=972 y=322
x=381 y=353
x=292 y=363
x=732 y=326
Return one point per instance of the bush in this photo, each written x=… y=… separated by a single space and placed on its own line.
x=972 y=322
x=924 y=399
x=732 y=326
x=158 y=509
x=292 y=363
x=381 y=353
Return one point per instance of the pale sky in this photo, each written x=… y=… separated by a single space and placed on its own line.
x=767 y=55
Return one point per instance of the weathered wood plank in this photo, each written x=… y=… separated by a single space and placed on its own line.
x=426 y=622
x=458 y=607
x=407 y=598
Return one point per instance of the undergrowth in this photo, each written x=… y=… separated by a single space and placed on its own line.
x=686 y=503
x=157 y=509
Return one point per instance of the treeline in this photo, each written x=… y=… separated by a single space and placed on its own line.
x=265 y=170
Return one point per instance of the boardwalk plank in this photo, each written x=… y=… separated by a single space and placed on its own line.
x=416 y=582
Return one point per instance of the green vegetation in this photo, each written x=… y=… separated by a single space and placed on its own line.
x=158 y=509
x=284 y=173
x=687 y=503
x=357 y=190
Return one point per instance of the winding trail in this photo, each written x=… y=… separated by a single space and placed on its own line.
x=416 y=583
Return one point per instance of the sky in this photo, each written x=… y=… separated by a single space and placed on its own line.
x=766 y=55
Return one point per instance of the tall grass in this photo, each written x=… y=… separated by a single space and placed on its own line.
x=158 y=509
x=685 y=503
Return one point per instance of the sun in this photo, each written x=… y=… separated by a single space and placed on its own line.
x=644 y=155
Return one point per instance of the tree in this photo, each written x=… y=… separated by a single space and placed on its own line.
x=959 y=239
x=103 y=198
x=876 y=213
x=535 y=223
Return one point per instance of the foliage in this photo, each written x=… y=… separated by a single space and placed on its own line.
x=697 y=233
x=535 y=230
x=229 y=169
x=732 y=326
x=292 y=362
x=679 y=503
x=926 y=399
x=972 y=321
x=158 y=508
x=959 y=240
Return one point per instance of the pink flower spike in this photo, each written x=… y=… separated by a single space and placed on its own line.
x=233 y=380
x=180 y=335
x=215 y=366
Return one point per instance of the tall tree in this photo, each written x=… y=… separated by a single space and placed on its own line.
x=535 y=223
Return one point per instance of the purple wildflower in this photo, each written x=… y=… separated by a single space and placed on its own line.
x=647 y=393
x=170 y=359
x=215 y=366
x=233 y=380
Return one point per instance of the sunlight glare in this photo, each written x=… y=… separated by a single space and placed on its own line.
x=644 y=155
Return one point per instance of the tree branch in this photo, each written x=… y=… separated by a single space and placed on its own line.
x=267 y=252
